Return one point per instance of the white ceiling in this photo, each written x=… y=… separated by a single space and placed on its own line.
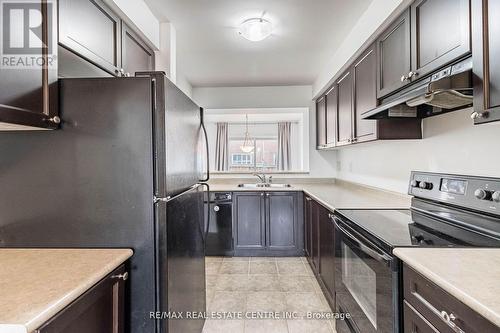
x=212 y=54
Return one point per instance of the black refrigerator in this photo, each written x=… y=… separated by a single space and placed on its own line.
x=126 y=169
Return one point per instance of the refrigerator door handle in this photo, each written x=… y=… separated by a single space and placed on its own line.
x=167 y=199
x=208 y=212
x=207 y=177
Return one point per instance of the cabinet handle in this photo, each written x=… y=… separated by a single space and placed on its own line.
x=448 y=319
x=267 y=194
x=412 y=74
x=216 y=208
x=123 y=276
x=478 y=115
x=262 y=194
x=404 y=78
x=308 y=199
x=55 y=120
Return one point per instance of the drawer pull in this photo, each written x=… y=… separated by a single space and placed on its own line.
x=123 y=276
x=448 y=319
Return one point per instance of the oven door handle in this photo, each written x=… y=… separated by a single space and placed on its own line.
x=382 y=257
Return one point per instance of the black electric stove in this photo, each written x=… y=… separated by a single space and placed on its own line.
x=446 y=211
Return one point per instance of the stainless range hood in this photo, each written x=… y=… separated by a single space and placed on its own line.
x=446 y=90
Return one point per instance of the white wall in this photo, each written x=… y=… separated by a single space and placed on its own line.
x=321 y=164
x=451 y=144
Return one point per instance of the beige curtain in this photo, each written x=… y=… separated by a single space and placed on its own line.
x=284 y=149
x=221 y=148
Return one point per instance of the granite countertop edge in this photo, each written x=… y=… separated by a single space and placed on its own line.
x=86 y=284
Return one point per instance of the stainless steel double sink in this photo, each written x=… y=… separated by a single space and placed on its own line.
x=264 y=185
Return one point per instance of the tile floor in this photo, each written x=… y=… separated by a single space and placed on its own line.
x=264 y=285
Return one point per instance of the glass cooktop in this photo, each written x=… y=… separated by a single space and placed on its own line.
x=400 y=228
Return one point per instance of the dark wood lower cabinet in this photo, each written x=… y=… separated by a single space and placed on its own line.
x=281 y=218
x=327 y=253
x=307 y=226
x=99 y=310
x=319 y=231
x=428 y=308
x=315 y=236
x=249 y=226
x=268 y=224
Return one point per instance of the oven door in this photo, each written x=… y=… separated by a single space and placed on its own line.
x=363 y=283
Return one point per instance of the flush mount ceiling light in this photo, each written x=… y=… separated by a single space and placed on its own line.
x=255 y=29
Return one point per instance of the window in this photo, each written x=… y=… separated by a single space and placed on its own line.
x=263 y=158
x=241 y=159
x=263 y=127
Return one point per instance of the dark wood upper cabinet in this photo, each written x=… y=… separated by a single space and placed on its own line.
x=440 y=33
x=249 y=221
x=321 y=122
x=365 y=95
x=394 y=56
x=331 y=116
x=99 y=310
x=92 y=30
x=281 y=220
x=137 y=56
x=28 y=83
x=486 y=47
x=344 y=111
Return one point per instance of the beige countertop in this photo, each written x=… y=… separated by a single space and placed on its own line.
x=35 y=284
x=469 y=274
x=333 y=194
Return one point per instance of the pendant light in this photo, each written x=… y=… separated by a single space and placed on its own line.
x=248 y=145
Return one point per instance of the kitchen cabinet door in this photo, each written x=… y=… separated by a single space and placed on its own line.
x=281 y=221
x=99 y=310
x=331 y=116
x=486 y=69
x=249 y=229
x=344 y=109
x=321 y=123
x=307 y=226
x=365 y=95
x=315 y=236
x=327 y=252
x=440 y=34
x=394 y=57
x=90 y=29
x=28 y=75
x=137 y=56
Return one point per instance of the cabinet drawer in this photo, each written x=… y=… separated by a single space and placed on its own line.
x=433 y=304
x=414 y=322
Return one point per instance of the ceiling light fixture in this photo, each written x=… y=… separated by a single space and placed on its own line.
x=256 y=29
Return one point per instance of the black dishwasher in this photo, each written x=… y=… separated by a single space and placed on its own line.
x=219 y=239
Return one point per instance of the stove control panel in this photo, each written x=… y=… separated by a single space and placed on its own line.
x=478 y=193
